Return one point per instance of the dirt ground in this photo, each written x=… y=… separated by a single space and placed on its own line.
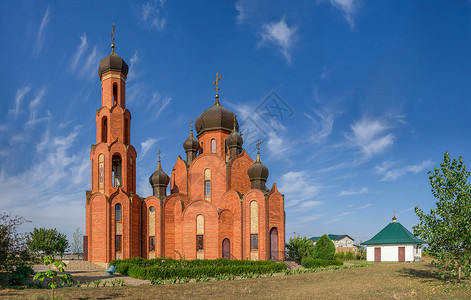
x=379 y=281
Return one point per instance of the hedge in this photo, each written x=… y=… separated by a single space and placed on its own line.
x=309 y=262
x=164 y=268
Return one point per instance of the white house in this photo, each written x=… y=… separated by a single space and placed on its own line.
x=342 y=242
x=393 y=243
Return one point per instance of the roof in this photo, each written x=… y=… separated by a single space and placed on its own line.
x=393 y=233
x=333 y=237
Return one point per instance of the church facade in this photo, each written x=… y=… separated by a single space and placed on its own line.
x=218 y=206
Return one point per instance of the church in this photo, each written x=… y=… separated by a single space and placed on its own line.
x=218 y=206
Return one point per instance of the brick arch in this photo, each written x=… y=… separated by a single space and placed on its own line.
x=210 y=214
x=172 y=209
x=259 y=197
x=238 y=177
x=120 y=198
x=155 y=202
x=276 y=217
x=97 y=227
x=231 y=202
x=179 y=177
x=218 y=175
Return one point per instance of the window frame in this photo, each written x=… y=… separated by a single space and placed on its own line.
x=254 y=237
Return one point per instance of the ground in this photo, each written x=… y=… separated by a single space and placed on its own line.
x=379 y=281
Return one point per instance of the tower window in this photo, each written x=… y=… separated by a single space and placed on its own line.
x=117 y=172
x=254 y=242
x=104 y=129
x=118 y=244
x=115 y=94
x=207 y=188
x=126 y=132
x=213 y=146
x=151 y=243
x=199 y=242
x=117 y=212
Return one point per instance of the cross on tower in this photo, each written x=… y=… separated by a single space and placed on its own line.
x=112 y=37
x=258 y=145
x=191 y=125
x=216 y=83
x=159 y=154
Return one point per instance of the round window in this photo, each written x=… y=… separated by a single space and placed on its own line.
x=151 y=209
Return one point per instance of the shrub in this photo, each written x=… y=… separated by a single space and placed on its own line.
x=324 y=248
x=309 y=262
x=349 y=256
x=299 y=247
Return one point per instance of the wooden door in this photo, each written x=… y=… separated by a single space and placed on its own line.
x=401 y=254
x=226 y=249
x=377 y=254
x=274 y=244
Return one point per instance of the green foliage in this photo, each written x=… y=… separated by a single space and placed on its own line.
x=299 y=247
x=446 y=229
x=310 y=262
x=14 y=252
x=324 y=248
x=52 y=274
x=19 y=276
x=48 y=241
x=174 y=268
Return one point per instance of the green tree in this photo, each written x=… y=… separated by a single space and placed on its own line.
x=299 y=247
x=47 y=241
x=446 y=229
x=324 y=248
x=13 y=249
x=77 y=244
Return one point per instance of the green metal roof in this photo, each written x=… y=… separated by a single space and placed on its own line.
x=393 y=233
x=331 y=236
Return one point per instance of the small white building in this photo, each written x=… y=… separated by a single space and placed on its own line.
x=342 y=242
x=393 y=243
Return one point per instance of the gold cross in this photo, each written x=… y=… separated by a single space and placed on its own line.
x=234 y=122
x=112 y=34
x=159 y=155
x=216 y=82
x=258 y=145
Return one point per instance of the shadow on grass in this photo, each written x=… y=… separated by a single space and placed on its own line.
x=426 y=273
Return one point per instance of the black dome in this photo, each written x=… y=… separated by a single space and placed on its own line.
x=234 y=140
x=215 y=117
x=113 y=62
x=258 y=171
x=191 y=143
x=159 y=178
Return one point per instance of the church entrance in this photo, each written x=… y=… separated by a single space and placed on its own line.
x=226 y=249
x=274 y=244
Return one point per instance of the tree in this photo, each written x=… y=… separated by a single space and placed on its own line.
x=324 y=248
x=299 y=247
x=48 y=241
x=446 y=229
x=13 y=249
x=77 y=244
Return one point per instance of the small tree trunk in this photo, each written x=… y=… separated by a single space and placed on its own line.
x=459 y=273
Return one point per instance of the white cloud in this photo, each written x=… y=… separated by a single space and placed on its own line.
x=391 y=174
x=280 y=35
x=40 y=37
x=157 y=104
x=370 y=136
x=363 y=190
x=322 y=126
x=347 y=7
x=366 y=206
x=145 y=147
x=82 y=63
x=20 y=94
x=33 y=111
x=153 y=15
x=299 y=189
x=241 y=13
x=277 y=145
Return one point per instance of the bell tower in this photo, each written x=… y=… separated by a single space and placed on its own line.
x=113 y=208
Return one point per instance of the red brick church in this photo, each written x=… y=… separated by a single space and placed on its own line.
x=218 y=205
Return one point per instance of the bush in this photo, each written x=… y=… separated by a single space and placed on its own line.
x=299 y=247
x=324 y=248
x=309 y=262
x=349 y=256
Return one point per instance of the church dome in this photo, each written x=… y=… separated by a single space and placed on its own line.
x=215 y=117
x=159 y=178
x=234 y=139
x=258 y=171
x=191 y=143
x=113 y=62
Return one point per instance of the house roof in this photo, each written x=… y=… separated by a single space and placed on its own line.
x=333 y=237
x=393 y=233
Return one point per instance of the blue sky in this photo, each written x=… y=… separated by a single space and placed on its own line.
x=364 y=97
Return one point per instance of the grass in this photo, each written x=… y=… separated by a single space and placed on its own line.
x=379 y=281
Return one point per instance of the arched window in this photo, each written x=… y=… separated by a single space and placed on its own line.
x=253 y=225
x=151 y=229
x=116 y=171
x=213 y=146
x=117 y=212
x=115 y=93
x=199 y=234
x=104 y=129
x=207 y=184
x=126 y=131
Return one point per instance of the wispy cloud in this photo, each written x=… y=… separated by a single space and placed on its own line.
x=366 y=206
x=20 y=94
x=153 y=15
x=157 y=104
x=371 y=136
x=83 y=63
x=347 y=7
x=40 y=37
x=281 y=35
x=241 y=13
x=33 y=111
x=145 y=147
x=390 y=174
x=363 y=190
x=299 y=189
x=322 y=126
